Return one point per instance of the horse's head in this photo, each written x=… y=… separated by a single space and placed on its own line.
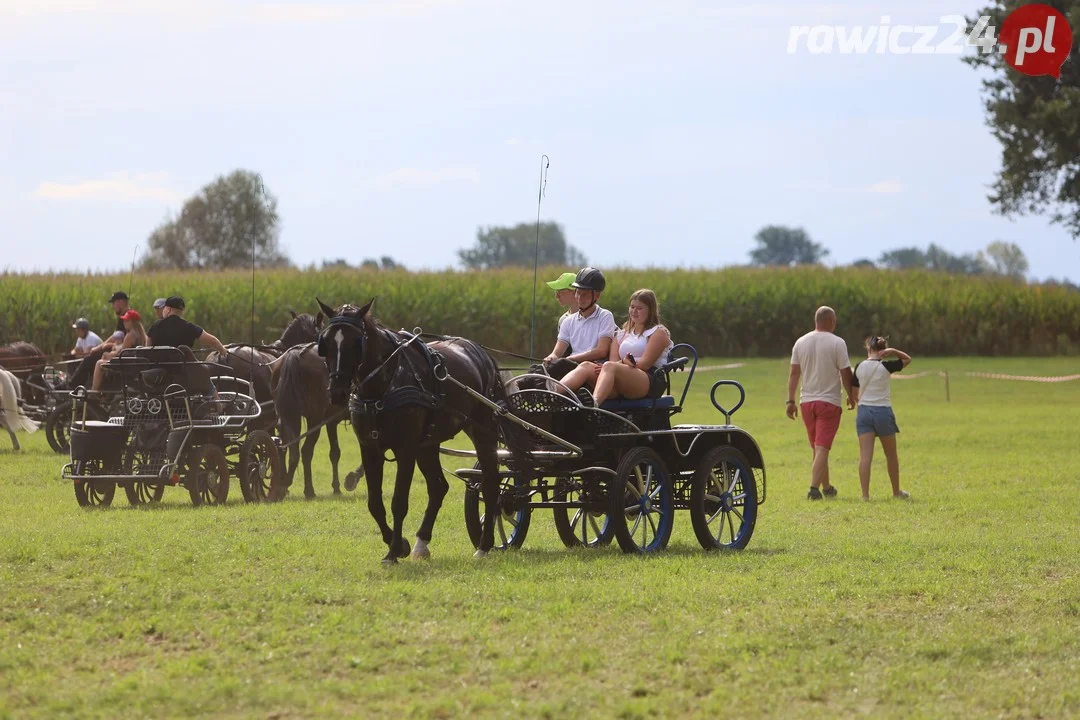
x=301 y=329
x=343 y=344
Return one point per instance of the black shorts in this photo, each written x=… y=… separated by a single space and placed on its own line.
x=657 y=382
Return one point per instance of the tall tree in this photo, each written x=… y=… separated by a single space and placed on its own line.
x=517 y=246
x=779 y=245
x=1037 y=121
x=1006 y=259
x=216 y=227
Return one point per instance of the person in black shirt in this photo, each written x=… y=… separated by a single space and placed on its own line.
x=174 y=330
x=120 y=306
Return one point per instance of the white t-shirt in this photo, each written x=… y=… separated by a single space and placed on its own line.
x=872 y=379
x=583 y=334
x=89 y=342
x=820 y=356
x=631 y=343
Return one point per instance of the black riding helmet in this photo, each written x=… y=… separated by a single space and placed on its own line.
x=589 y=279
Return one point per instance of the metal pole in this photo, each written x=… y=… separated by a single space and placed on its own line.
x=545 y=163
x=947 y=399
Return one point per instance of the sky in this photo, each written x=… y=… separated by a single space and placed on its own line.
x=675 y=129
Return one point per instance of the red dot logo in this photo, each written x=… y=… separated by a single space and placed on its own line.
x=1037 y=39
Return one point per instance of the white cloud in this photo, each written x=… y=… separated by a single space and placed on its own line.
x=418 y=177
x=887 y=187
x=120 y=187
x=514 y=141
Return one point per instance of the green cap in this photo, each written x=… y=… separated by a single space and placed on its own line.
x=563 y=282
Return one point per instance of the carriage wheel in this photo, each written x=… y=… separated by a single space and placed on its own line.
x=723 y=500
x=579 y=527
x=90 y=492
x=57 y=427
x=511 y=525
x=141 y=462
x=259 y=467
x=208 y=476
x=642 y=510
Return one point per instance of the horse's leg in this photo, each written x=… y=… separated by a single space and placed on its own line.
x=488 y=456
x=373 y=471
x=437 y=487
x=306 y=452
x=14 y=440
x=335 y=454
x=399 y=506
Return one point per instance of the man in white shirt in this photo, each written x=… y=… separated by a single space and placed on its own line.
x=590 y=331
x=820 y=359
x=86 y=339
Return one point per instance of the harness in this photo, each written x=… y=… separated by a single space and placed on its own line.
x=395 y=398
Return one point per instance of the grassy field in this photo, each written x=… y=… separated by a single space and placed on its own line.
x=963 y=602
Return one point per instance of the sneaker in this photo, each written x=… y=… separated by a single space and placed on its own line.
x=830 y=492
x=814 y=494
x=902 y=495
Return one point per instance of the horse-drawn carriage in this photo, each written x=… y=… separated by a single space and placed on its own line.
x=621 y=470
x=178 y=421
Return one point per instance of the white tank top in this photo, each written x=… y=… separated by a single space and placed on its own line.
x=632 y=344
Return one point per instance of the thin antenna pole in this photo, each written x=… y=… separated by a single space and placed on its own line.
x=131 y=275
x=251 y=229
x=545 y=163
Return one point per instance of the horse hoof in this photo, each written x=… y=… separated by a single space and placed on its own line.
x=388 y=561
x=421 y=551
x=405 y=549
x=480 y=554
x=353 y=479
x=309 y=495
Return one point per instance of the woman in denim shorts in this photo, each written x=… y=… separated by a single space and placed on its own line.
x=875 y=418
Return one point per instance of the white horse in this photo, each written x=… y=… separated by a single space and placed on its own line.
x=12 y=416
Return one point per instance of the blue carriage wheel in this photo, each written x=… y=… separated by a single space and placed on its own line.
x=581 y=527
x=511 y=523
x=723 y=500
x=642 y=508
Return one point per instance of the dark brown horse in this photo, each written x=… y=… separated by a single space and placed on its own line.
x=27 y=362
x=398 y=404
x=299 y=384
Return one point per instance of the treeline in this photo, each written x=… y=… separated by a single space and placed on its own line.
x=742 y=312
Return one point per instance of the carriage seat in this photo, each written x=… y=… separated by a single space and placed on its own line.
x=155 y=368
x=664 y=401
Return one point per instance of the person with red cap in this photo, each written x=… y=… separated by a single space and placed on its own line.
x=134 y=336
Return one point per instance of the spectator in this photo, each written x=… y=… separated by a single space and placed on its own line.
x=875 y=419
x=86 y=339
x=820 y=359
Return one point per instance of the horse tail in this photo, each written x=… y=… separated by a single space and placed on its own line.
x=289 y=393
x=13 y=415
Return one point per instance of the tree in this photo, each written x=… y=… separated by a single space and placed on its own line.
x=933 y=258
x=517 y=246
x=1006 y=259
x=779 y=245
x=216 y=227
x=864 y=263
x=387 y=263
x=1037 y=122
x=903 y=258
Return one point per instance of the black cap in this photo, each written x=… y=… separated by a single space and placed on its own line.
x=175 y=302
x=118 y=295
x=589 y=279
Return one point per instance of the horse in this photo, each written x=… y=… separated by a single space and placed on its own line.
x=12 y=416
x=299 y=382
x=249 y=361
x=399 y=403
x=27 y=362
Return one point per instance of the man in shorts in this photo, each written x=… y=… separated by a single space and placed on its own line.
x=589 y=331
x=820 y=359
x=120 y=305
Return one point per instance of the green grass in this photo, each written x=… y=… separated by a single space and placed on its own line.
x=963 y=602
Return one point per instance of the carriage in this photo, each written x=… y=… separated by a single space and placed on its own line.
x=619 y=471
x=177 y=422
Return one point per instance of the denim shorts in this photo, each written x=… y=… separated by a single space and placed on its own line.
x=878 y=419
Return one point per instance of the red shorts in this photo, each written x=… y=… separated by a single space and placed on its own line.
x=822 y=420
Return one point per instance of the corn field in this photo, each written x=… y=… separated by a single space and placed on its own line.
x=731 y=312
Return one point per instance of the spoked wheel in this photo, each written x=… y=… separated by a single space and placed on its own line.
x=143 y=463
x=57 y=426
x=723 y=500
x=512 y=522
x=90 y=492
x=260 y=466
x=642 y=510
x=579 y=527
x=208 y=476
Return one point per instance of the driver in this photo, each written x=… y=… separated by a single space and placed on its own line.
x=591 y=328
x=174 y=330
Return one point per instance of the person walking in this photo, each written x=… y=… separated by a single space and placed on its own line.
x=872 y=381
x=820 y=360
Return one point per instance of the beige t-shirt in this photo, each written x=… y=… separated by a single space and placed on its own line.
x=820 y=356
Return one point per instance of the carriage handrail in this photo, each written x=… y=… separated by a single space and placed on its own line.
x=693 y=366
x=727 y=413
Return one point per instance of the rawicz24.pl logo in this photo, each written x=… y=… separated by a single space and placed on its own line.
x=1035 y=39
